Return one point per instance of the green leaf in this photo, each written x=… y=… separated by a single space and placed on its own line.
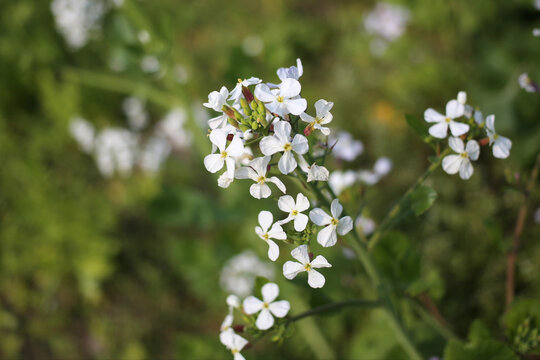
x=419 y=127
x=422 y=199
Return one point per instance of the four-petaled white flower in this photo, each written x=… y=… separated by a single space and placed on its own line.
x=291 y=268
x=501 y=145
x=256 y=171
x=461 y=162
x=283 y=100
x=327 y=236
x=236 y=93
x=453 y=110
x=235 y=343
x=286 y=203
x=317 y=173
x=323 y=117
x=214 y=162
x=267 y=231
x=293 y=72
x=281 y=141
x=216 y=100
x=267 y=306
x=234 y=302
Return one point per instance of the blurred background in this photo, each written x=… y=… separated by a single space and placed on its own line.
x=114 y=238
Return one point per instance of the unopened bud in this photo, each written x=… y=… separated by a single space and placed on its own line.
x=245 y=106
x=233 y=122
x=230 y=137
x=228 y=111
x=310 y=256
x=247 y=94
x=244 y=128
x=308 y=130
x=254 y=125
x=261 y=108
x=484 y=141
x=238 y=328
x=262 y=121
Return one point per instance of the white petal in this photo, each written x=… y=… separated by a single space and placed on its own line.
x=301 y=254
x=307 y=118
x=273 y=250
x=327 y=236
x=501 y=147
x=286 y=203
x=319 y=217
x=238 y=356
x=278 y=183
x=252 y=305
x=282 y=130
x=466 y=169
x=290 y=88
x=287 y=163
x=233 y=301
x=236 y=147
x=260 y=191
x=457 y=128
x=270 y=145
x=322 y=107
x=300 y=222
x=263 y=93
x=218 y=137
x=291 y=269
x=462 y=97
x=454 y=109
x=217 y=122
x=270 y=292
x=335 y=208
x=439 y=130
x=227 y=322
x=473 y=149
x=265 y=320
x=245 y=173
x=456 y=144
x=302 y=202
x=315 y=279
x=430 y=115
x=276 y=232
x=231 y=164
x=345 y=225
x=451 y=163
x=317 y=173
x=260 y=164
x=490 y=122
x=296 y=106
x=213 y=162
x=300 y=144
x=324 y=130
x=226 y=337
x=239 y=343
x=320 y=262
x=280 y=308
x=265 y=220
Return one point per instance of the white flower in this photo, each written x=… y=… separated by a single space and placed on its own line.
x=224 y=181
x=387 y=20
x=345 y=147
x=323 y=116
x=327 y=236
x=291 y=268
x=236 y=93
x=233 y=342
x=364 y=224
x=234 y=302
x=317 y=173
x=115 y=149
x=281 y=141
x=135 y=111
x=527 y=84
x=239 y=273
x=216 y=100
x=283 y=100
x=256 y=171
x=293 y=72
x=275 y=232
x=462 y=162
x=382 y=166
x=501 y=145
x=287 y=204
x=218 y=122
x=214 y=162
x=479 y=118
x=172 y=127
x=267 y=306
x=453 y=110
x=153 y=153
x=150 y=64
x=341 y=180
x=83 y=132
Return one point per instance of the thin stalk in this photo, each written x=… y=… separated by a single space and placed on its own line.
x=428 y=318
x=336 y=306
x=396 y=210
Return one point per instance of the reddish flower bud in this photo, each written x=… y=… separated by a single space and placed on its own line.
x=230 y=137
x=484 y=141
x=310 y=256
x=247 y=94
x=308 y=130
x=238 y=328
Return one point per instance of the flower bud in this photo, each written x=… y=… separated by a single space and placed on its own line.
x=228 y=111
x=245 y=107
x=238 y=328
x=233 y=122
x=308 y=130
x=261 y=107
x=262 y=121
x=244 y=128
x=247 y=94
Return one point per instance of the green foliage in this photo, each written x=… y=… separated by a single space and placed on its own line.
x=522 y=323
x=422 y=199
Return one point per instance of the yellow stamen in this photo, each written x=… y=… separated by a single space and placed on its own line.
x=287 y=147
x=280 y=99
x=261 y=179
x=447 y=120
x=334 y=221
x=224 y=154
x=307 y=267
x=294 y=212
x=464 y=155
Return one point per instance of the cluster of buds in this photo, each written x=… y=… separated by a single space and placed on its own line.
x=254 y=112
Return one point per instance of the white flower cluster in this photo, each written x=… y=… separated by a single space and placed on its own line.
x=387 y=22
x=463 y=121
x=119 y=150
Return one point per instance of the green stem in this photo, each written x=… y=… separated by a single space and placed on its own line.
x=388 y=221
x=442 y=330
x=335 y=306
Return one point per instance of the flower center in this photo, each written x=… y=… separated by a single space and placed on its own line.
x=464 y=155
x=334 y=221
x=495 y=136
x=280 y=99
x=224 y=154
x=447 y=120
x=265 y=305
x=307 y=267
x=240 y=81
x=234 y=351
x=287 y=147
x=294 y=212
x=318 y=120
x=261 y=179
x=266 y=236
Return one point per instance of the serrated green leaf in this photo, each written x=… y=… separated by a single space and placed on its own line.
x=422 y=199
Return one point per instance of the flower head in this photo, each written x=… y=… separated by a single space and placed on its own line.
x=267 y=231
x=323 y=117
x=214 y=162
x=327 y=236
x=287 y=204
x=454 y=109
x=284 y=99
x=292 y=268
x=216 y=99
x=461 y=162
x=235 y=343
x=501 y=145
x=256 y=171
x=281 y=142
x=267 y=307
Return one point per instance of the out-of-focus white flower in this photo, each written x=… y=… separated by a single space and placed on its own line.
x=281 y=142
x=83 y=132
x=256 y=171
x=150 y=64
x=214 y=162
x=172 y=128
x=143 y=36
x=323 y=117
x=252 y=45
x=239 y=273
x=368 y=177
x=235 y=343
x=453 y=110
x=284 y=100
x=527 y=84
x=536 y=4
x=327 y=236
x=268 y=307
x=216 y=99
x=181 y=74
x=382 y=166
x=341 y=180
x=135 y=111
x=234 y=303
x=268 y=231
x=387 y=21
x=461 y=162
x=462 y=99
x=154 y=152
x=500 y=145
x=315 y=278
x=115 y=151
x=76 y=19
x=536 y=32
x=345 y=147
x=236 y=93
x=287 y=204
x=317 y=173
x=365 y=225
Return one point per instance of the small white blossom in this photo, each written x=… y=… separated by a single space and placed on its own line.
x=382 y=166
x=317 y=173
x=236 y=93
x=216 y=100
x=234 y=303
x=341 y=180
x=440 y=130
x=364 y=224
x=150 y=64
x=153 y=154
x=293 y=72
x=527 y=84
x=291 y=268
x=287 y=204
x=268 y=307
x=501 y=145
x=462 y=99
x=115 y=150
x=83 y=132
x=281 y=142
x=214 y=162
x=323 y=117
x=135 y=111
x=327 y=236
x=345 y=147
x=235 y=343
x=224 y=180
x=283 y=100
x=387 y=20
x=461 y=162
x=256 y=171
x=268 y=231
x=239 y=273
